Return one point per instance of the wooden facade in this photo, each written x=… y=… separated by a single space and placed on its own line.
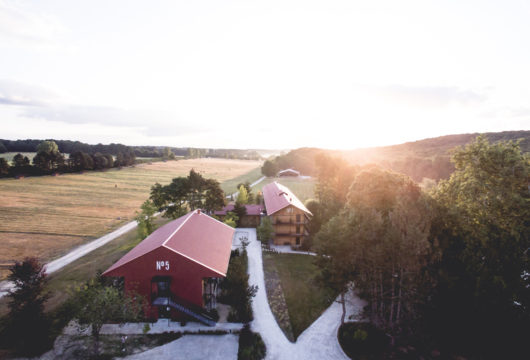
x=290 y=226
x=289 y=216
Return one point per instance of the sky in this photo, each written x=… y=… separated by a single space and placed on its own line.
x=262 y=74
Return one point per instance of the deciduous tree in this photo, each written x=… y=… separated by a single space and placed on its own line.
x=27 y=326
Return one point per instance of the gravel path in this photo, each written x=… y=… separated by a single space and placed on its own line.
x=194 y=347
x=251 y=185
x=319 y=341
x=75 y=254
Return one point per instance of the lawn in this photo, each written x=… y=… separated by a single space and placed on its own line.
x=302 y=188
x=47 y=216
x=304 y=298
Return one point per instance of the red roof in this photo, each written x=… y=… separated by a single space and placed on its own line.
x=277 y=197
x=252 y=209
x=196 y=236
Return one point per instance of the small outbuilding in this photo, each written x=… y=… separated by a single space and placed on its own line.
x=178 y=267
x=251 y=219
x=288 y=173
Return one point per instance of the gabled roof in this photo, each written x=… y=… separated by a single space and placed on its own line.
x=280 y=173
x=277 y=197
x=252 y=209
x=196 y=236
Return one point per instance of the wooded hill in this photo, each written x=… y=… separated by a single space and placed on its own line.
x=428 y=158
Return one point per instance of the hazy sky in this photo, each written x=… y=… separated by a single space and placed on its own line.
x=262 y=74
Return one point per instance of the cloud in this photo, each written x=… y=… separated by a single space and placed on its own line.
x=150 y=123
x=429 y=96
x=17 y=93
x=20 y=23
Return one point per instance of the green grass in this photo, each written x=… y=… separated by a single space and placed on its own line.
x=230 y=186
x=305 y=299
x=302 y=188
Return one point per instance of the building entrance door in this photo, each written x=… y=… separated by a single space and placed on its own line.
x=160 y=291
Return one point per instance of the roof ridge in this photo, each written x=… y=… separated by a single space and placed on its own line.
x=192 y=259
x=178 y=228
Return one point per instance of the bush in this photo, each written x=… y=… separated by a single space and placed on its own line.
x=251 y=345
x=363 y=341
x=235 y=289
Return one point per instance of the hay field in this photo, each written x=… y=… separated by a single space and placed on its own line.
x=48 y=215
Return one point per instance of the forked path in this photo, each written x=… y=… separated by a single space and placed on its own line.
x=319 y=341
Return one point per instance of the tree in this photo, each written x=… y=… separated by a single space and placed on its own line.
x=259 y=198
x=97 y=304
x=81 y=161
x=168 y=154
x=316 y=220
x=27 y=326
x=214 y=199
x=380 y=241
x=145 y=219
x=242 y=196
x=48 y=146
x=48 y=161
x=184 y=193
x=482 y=225
x=248 y=188
x=240 y=210
x=334 y=178
x=265 y=230
x=231 y=219
x=20 y=161
x=4 y=167
x=269 y=169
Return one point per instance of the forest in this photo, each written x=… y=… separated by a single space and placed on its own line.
x=445 y=272
x=429 y=158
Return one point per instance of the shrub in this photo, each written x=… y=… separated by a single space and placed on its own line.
x=235 y=289
x=251 y=345
x=363 y=341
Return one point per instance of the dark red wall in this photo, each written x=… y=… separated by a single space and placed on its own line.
x=186 y=276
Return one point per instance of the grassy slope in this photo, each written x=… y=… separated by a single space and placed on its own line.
x=46 y=216
x=305 y=299
x=230 y=186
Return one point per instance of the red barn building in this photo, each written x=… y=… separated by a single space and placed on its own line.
x=177 y=268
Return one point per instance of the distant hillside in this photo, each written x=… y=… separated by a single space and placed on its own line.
x=428 y=158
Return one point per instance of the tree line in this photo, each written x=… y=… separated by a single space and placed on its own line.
x=429 y=158
x=49 y=160
x=445 y=270
x=64 y=146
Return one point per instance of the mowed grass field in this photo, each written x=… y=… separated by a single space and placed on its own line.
x=47 y=216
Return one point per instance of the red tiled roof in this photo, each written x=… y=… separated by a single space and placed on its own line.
x=252 y=209
x=196 y=236
x=277 y=197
